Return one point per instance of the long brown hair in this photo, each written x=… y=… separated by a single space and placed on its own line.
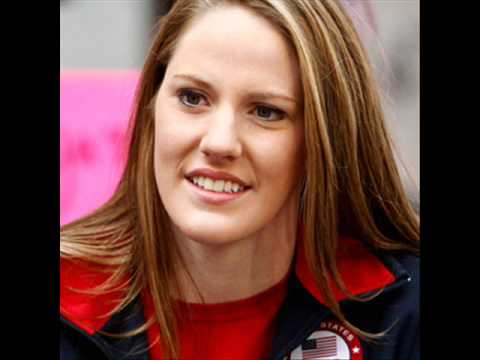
x=352 y=183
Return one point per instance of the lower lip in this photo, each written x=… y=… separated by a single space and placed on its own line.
x=214 y=198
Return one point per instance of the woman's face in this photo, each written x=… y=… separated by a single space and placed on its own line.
x=229 y=129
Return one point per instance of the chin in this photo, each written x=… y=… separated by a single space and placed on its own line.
x=211 y=231
x=212 y=238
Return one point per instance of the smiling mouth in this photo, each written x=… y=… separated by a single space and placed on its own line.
x=217 y=186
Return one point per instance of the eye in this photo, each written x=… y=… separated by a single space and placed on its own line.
x=269 y=113
x=190 y=98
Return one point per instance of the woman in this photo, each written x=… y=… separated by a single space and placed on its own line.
x=260 y=214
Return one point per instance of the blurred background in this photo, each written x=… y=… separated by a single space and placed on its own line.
x=103 y=44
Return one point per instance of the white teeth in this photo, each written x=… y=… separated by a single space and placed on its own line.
x=208 y=185
x=217 y=185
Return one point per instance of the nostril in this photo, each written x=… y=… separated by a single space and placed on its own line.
x=221 y=146
x=219 y=156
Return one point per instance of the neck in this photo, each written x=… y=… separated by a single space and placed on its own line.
x=238 y=269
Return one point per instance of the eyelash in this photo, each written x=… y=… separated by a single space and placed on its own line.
x=281 y=114
x=183 y=93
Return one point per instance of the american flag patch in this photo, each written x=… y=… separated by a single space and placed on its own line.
x=319 y=348
x=332 y=341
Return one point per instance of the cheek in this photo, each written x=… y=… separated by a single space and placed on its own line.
x=280 y=160
x=172 y=141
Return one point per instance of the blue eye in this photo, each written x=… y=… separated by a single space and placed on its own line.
x=269 y=113
x=190 y=98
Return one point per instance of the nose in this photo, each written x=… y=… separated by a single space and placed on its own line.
x=220 y=140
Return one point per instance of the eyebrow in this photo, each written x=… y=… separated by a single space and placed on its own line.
x=263 y=95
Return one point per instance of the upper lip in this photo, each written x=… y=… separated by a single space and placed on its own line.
x=215 y=175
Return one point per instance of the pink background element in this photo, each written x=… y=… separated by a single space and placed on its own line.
x=94 y=111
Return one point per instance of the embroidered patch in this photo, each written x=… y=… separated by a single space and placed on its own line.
x=331 y=342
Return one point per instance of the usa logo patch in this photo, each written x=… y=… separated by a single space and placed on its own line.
x=331 y=342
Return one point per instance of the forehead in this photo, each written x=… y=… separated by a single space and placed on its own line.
x=234 y=43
